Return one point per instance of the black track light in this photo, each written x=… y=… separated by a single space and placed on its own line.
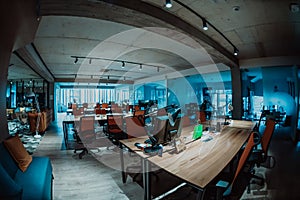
x=204 y=25
x=168 y=4
x=76 y=60
x=236 y=52
x=141 y=67
x=123 y=64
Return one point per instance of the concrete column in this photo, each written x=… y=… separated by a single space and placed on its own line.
x=237 y=101
x=18 y=22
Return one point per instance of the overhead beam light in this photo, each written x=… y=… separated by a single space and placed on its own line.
x=76 y=60
x=123 y=63
x=157 y=69
x=204 y=25
x=236 y=52
x=168 y=4
x=205 y=21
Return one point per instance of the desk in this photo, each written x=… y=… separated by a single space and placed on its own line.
x=201 y=162
x=71 y=119
x=86 y=111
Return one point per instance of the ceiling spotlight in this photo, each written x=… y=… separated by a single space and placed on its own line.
x=124 y=78
x=123 y=64
x=204 y=26
x=168 y=4
x=76 y=60
x=236 y=51
x=90 y=61
x=157 y=69
x=141 y=67
x=107 y=77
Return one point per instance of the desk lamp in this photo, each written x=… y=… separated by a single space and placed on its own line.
x=32 y=94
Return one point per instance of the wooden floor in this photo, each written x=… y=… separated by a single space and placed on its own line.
x=98 y=176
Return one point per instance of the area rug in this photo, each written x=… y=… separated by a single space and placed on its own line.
x=30 y=142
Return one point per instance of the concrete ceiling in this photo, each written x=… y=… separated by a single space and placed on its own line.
x=163 y=40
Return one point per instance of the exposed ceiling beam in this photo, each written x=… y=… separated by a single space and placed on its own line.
x=31 y=57
x=85 y=80
x=138 y=14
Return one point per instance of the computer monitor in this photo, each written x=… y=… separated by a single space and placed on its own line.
x=167 y=127
x=158 y=132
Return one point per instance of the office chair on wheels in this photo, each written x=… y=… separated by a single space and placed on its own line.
x=259 y=156
x=224 y=187
x=135 y=128
x=114 y=128
x=84 y=134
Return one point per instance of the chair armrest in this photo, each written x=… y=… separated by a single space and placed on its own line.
x=224 y=186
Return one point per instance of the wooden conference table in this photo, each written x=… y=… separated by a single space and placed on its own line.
x=71 y=119
x=200 y=162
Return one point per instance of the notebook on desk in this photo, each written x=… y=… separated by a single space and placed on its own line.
x=197 y=131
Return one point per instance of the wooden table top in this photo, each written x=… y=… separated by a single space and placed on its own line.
x=72 y=118
x=201 y=161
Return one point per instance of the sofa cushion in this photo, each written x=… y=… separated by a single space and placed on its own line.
x=7 y=161
x=36 y=180
x=17 y=150
x=8 y=188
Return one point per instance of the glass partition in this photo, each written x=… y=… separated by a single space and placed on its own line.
x=154 y=91
x=210 y=92
x=271 y=92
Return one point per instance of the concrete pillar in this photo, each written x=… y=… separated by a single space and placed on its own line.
x=18 y=22
x=237 y=101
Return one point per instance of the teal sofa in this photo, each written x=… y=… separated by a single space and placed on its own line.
x=34 y=184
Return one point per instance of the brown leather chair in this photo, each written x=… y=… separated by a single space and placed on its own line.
x=45 y=120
